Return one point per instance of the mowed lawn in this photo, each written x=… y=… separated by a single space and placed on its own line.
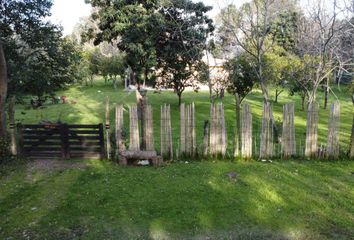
x=184 y=200
x=90 y=104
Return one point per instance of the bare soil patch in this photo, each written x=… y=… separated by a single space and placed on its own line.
x=52 y=164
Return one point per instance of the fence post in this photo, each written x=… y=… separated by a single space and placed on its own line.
x=246 y=133
x=288 y=142
x=266 y=144
x=107 y=128
x=101 y=133
x=332 y=150
x=20 y=140
x=206 y=138
x=311 y=130
x=134 y=143
x=119 y=128
x=64 y=132
x=12 y=124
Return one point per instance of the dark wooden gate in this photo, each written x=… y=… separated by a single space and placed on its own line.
x=61 y=140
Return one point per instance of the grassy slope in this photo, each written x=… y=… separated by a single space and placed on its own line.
x=90 y=109
x=296 y=200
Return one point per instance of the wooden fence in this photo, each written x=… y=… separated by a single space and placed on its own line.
x=61 y=141
x=266 y=141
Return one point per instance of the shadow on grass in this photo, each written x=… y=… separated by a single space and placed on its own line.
x=274 y=201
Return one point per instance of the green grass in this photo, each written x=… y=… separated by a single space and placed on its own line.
x=90 y=109
x=273 y=200
x=278 y=200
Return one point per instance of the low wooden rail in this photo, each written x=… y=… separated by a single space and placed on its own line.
x=61 y=140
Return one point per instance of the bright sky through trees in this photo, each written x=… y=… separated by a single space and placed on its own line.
x=68 y=12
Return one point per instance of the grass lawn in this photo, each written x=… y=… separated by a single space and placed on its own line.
x=101 y=200
x=91 y=100
x=182 y=200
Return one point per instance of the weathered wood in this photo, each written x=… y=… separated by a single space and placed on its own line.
x=238 y=137
x=246 y=132
x=108 y=133
x=188 y=145
x=206 y=138
x=223 y=130
x=266 y=144
x=288 y=142
x=11 y=113
x=149 y=131
x=119 y=128
x=127 y=157
x=332 y=150
x=218 y=141
x=59 y=140
x=134 y=143
x=311 y=130
x=351 y=151
x=64 y=141
x=182 y=146
x=101 y=135
x=166 y=132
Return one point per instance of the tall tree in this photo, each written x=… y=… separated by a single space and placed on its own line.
x=18 y=20
x=3 y=92
x=241 y=79
x=181 y=42
x=249 y=29
x=134 y=22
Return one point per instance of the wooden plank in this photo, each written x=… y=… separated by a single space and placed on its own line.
x=71 y=143
x=38 y=126
x=36 y=143
x=40 y=137
x=84 y=132
x=86 y=149
x=94 y=126
x=37 y=149
x=84 y=138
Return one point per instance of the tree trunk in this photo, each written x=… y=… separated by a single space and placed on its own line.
x=3 y=92
x=277 y=94
x=326 y=94
x=141 y=102
x=238 y=127
x=352 y=136
x=179 y=98
x=91 y=80
x=352 y=141
x=115 y=82
x=303 y=103
x=145 y=77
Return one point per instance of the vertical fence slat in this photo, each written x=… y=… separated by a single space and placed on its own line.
x=246 y=132
x=332 y=150
x=266 y=144
x=134 y=143
x=311 y=130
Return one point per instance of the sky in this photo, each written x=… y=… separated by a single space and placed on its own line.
x=68 y=12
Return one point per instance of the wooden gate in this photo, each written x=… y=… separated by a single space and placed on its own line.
x=61 y=141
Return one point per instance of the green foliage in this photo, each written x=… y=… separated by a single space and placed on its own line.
x=241 y=77
x=284 y=29
x=112 y=66
x=181 y=42
x=134 y=22
x=39 y=60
